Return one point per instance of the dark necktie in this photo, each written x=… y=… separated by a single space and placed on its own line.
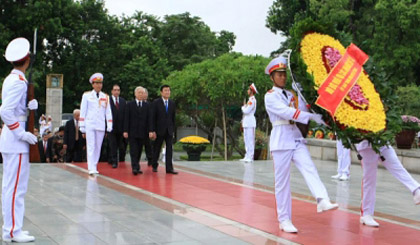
x=285 y=94
x=166 y=106
x=117 y=105
x=138 y=104
x=97 y=95
x=77 y=131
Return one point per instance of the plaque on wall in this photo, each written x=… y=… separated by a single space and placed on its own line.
x=55 y=81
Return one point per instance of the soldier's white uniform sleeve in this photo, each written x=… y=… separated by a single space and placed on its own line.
x=108 y=116
x=8 y=108
x=83 y=111
x=248 y=108
x=275 y=107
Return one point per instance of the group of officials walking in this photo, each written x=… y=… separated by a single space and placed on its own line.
x=138 y=121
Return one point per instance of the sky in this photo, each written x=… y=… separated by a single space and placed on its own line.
x=245 y=18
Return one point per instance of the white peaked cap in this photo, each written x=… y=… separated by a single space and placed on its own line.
x=97 y=77
x=17 y=49
x=254 y=88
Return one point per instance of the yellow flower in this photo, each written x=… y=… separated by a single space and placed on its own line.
x=194 y=139
x=372 y=119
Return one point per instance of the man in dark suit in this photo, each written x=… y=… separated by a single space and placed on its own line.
x=44 y=147
x=136 y=127
x=116 y=141
x=162 y=127
x=73 y=139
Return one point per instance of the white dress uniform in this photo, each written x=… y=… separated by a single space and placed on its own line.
x=370 y=160
x=14 y=146
x=94 y=112
x=287 y=144
x=343 y=160
x=249 y=123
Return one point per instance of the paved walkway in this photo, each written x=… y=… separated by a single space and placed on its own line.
x=207 y=203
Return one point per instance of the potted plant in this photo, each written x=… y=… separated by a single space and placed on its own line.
x=260 y=143
x=410 y=126
x=194 y=146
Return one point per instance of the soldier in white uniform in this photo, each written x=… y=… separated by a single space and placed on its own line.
x=370 y=160
x=287 y=144
x=14 y=142
x=343 y=162
x=249 y=123
x=95 y=112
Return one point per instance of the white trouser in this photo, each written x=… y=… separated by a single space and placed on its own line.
x=94 y=139
x=15 y=185
x=370 y=164
x=344 y=160
x=282 y=164
x=249 y=140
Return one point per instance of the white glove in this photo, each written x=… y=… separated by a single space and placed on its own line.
x=109 y=130
x=33 y=105
x=318 y=119
x=29 y=137
x=82 y=129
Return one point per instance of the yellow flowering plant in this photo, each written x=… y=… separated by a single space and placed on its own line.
x=194 y=143
x=361 y=115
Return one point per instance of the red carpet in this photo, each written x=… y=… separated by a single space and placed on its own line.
x=257 y=208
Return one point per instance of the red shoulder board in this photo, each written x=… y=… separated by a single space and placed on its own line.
x=270 y=91
x=22 y=78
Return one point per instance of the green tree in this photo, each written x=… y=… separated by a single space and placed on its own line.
x=189 y=40
x=215 y=89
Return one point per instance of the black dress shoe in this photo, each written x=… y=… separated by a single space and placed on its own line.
x=154 y=169
x=172 y=172
x=140 y=172
x=135 y=172
x=149 y=164
x=114 y=165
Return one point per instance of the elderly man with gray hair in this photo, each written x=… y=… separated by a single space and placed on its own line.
x=136 y=127
x=74 y=143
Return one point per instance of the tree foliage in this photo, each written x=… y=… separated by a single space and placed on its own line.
x=386 y=30
x=79 y=38
x=205 y=90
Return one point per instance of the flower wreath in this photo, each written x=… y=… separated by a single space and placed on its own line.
x=362 y=108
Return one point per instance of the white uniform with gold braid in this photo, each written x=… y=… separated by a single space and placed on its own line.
x=14 y=144
x=94 y=113
x=249 y=124
x=287 y=145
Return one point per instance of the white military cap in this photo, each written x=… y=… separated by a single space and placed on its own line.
x=254 y=88
x=17 y=50
x=97 y=77
x=277 y=64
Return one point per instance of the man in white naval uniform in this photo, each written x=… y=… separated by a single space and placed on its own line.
x=287 y=144
x=14 y=142
x=249 y=123
x=95 y=112
x=343 y=162
x=370 y=160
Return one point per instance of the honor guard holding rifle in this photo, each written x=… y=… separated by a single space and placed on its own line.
x=14 y=141
x=95 y=118
x=249 y=123
x=287 y=145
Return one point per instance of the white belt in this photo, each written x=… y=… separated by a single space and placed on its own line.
x=281 y=122
x=22 y=118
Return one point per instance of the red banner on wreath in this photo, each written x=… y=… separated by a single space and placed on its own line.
x=341 y=79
